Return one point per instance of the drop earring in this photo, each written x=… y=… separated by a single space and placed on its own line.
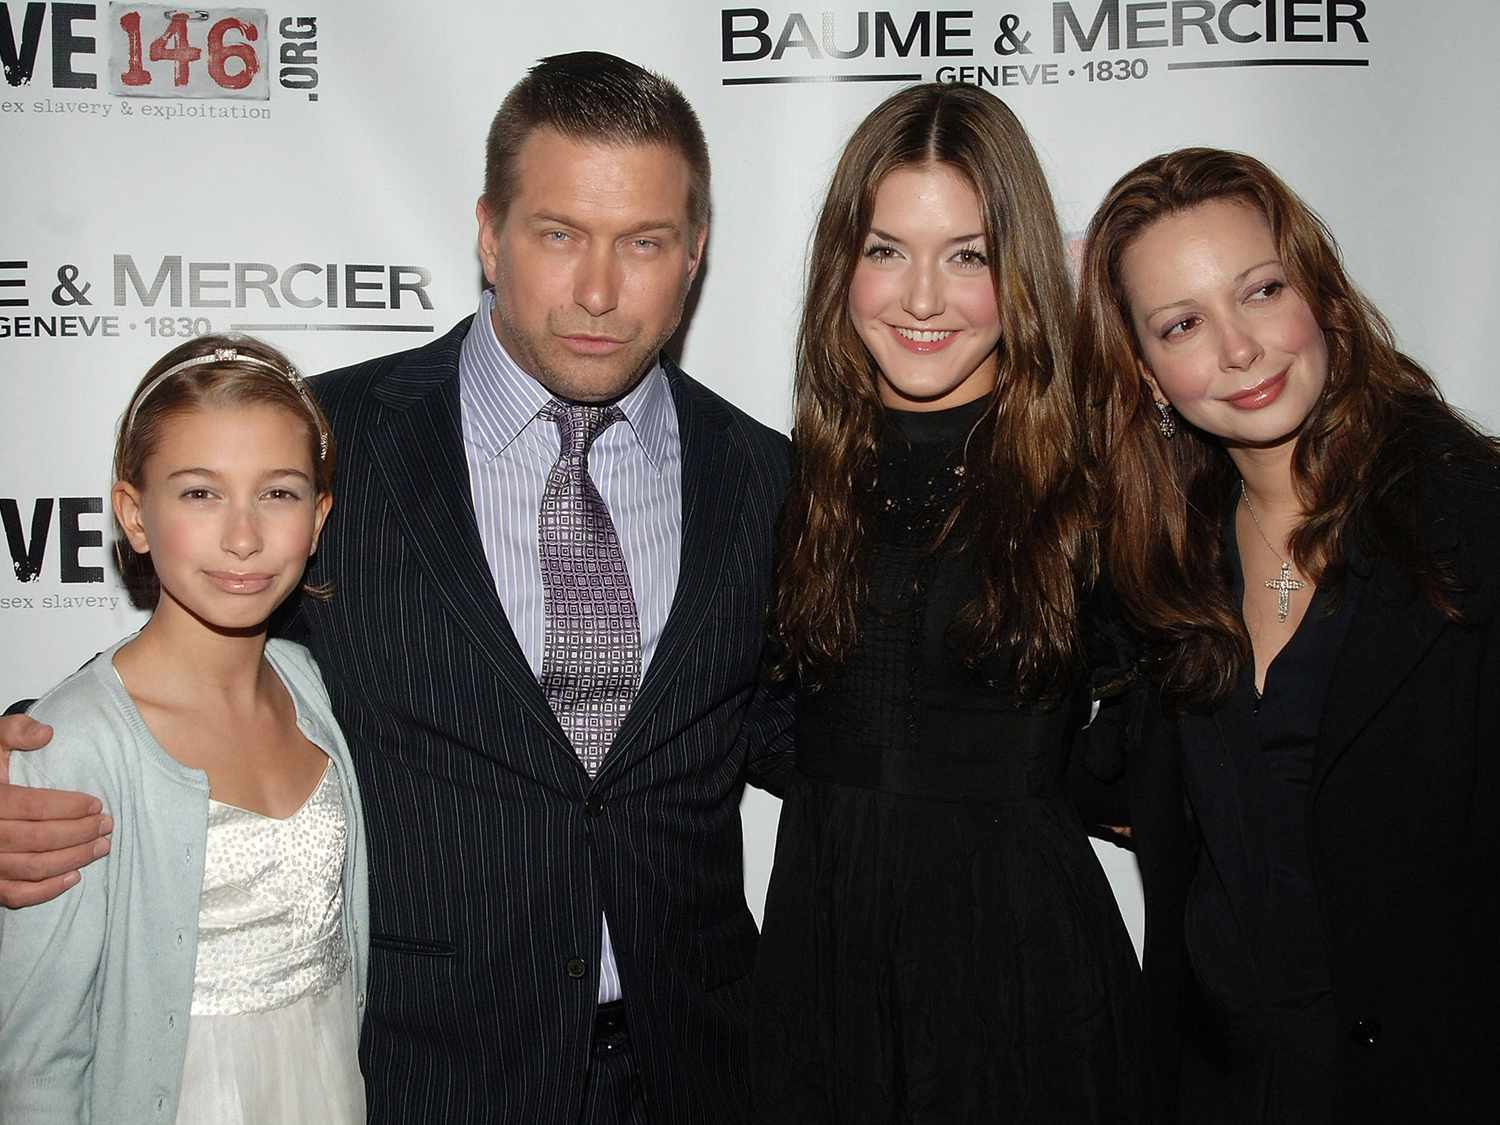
x=1166 y=420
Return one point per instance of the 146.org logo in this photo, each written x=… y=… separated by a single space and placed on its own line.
x=156 y=51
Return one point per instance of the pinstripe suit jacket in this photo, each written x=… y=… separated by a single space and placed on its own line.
x=492 y=853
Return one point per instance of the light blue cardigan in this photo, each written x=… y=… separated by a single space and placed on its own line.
x=96 y=986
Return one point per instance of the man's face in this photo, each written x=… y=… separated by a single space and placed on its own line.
x=591 y=263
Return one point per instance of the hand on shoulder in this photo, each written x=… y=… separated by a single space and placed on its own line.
x=46 y=835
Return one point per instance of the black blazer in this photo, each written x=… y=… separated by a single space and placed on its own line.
x=492 y=853
x=1402 y=815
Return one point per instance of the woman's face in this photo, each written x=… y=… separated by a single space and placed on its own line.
x=1222 y=334
x=922 y=299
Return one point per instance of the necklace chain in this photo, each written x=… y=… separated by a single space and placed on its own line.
x=1284 y=584
x=1249 y=507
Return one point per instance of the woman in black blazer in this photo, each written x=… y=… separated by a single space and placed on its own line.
x=1305 y=536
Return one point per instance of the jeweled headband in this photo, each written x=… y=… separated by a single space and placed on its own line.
x=233 y=355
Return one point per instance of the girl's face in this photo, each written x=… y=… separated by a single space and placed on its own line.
x=1223 y=336
x=228 y=512
x=922 y=298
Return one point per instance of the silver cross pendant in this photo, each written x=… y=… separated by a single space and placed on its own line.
x=1284 y=585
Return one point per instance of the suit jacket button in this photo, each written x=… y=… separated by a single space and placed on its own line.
x=1365 y=1032
x=576 y=968
x=594 y=806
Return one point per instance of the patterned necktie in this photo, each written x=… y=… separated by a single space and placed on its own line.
x=591 y=664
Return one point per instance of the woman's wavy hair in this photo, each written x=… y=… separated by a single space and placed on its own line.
x=1163 y=502
x=1030 y=524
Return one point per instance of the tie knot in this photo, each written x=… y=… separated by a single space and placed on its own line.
x=580 y=423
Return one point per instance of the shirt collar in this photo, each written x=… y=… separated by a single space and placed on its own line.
x=500 y=399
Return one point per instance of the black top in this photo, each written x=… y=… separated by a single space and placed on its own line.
x=1400 y=823
x=940 y=943
x=884 y=721
x=1254 y=931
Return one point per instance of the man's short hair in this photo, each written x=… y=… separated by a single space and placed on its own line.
x=593 y=96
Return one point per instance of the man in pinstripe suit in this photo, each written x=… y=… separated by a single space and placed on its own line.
x=555 y=938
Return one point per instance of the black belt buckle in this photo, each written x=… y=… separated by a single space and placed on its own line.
x=609 y=1020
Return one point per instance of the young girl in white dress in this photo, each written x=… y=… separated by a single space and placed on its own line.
x=211 y=968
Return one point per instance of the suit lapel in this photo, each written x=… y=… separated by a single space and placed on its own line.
x=710 y=513
x=418 y=446
x=1393 y=627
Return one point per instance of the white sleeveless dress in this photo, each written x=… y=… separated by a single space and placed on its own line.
x=273 y=1035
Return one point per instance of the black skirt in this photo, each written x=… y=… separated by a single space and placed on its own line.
x=927 y=961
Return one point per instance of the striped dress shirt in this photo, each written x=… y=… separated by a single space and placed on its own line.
x=637 y=468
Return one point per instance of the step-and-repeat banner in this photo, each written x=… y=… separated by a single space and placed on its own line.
x=308 y=172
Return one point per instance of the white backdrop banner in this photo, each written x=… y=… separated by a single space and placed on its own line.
x=308 y=172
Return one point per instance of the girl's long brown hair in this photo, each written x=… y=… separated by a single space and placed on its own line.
x=1027 y=498
x=1163 y=502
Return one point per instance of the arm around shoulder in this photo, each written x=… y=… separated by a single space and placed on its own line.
x=46 y=835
